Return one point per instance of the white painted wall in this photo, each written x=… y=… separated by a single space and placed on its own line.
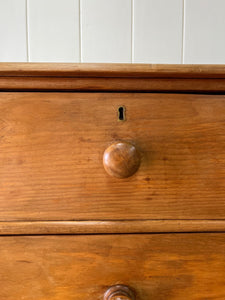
x=129 y=31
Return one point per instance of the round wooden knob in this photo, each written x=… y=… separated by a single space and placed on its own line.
x=119 y=292
x=121 y=160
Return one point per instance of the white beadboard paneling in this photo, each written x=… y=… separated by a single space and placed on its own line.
x=53 y=30
x=157 y=31
x=106 y=30
x=204 y=31
x=13 y=42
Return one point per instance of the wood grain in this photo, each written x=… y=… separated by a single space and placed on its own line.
x=170 y=266
x=52 y=146
x=112 y=77
x=100 y=227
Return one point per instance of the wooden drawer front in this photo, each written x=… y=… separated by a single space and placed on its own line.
x=170 y=266
x=52 y=145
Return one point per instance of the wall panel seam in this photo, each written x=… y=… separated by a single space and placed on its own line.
x=81 y=31
x=132 y=31
x=27 y=32
x=183 y=32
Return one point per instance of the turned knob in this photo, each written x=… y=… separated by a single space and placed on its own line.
x=119 y=292
x=121 y=159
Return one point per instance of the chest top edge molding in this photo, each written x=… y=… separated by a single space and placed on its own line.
x=111 y=77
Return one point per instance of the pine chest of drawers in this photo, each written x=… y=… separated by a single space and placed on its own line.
x=112 y=182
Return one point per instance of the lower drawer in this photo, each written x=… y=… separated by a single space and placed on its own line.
x=154 y=266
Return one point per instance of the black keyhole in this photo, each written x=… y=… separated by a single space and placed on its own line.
x=121 y=113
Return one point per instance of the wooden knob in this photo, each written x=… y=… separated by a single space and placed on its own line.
x=121 y=160
x=119 y=292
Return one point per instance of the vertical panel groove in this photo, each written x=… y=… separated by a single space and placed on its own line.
x=27 y=32
x=132 y=31
x=80 y=30
x=183 y=32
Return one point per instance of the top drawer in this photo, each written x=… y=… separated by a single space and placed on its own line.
x=52 y=145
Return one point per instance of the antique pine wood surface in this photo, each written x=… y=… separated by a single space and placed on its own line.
x=155 y=266
x=112 y=77
x=52 y=145
x=63 y=219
